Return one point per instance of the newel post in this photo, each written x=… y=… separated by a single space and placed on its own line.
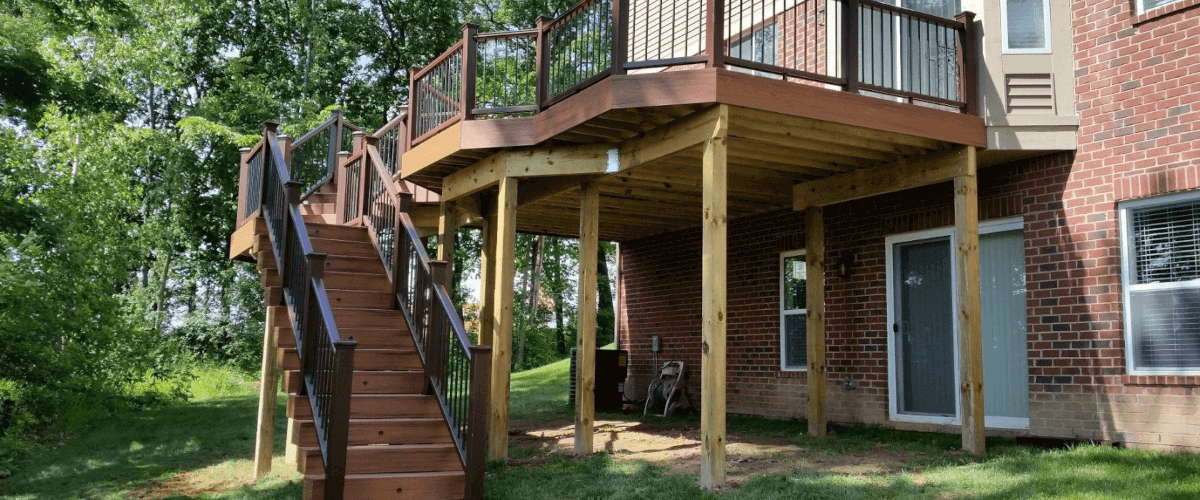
x=850 y=49
x=360 y=140
x=470 y=52
x=400 y=255
x=968 y=81
x=414 y=108
x=270 y=129
x=714 y=42
x=340 y=203
x=335 y=140
x=315 y=264
x=338 y=418
x=435 y=342
x=620 y=46
x=481 y=367
x=243 y=211
x=285 y=146
x=542 y=60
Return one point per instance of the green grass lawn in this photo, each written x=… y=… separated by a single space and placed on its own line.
x=210 y=439
x=202 y=450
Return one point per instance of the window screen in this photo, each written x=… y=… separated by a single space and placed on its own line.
x=794 y=313
x=1164 y=286
x=1025 y=25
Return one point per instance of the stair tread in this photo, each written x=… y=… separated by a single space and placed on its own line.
x=396 y=475
x=387 y=447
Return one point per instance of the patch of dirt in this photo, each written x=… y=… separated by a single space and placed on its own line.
x=677 y=449
x=188 y=484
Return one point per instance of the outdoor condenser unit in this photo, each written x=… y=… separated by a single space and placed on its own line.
x=612 y=366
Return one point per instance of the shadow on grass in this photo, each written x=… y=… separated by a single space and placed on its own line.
x=128 y=451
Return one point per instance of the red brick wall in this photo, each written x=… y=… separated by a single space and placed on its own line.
x=1138 y=89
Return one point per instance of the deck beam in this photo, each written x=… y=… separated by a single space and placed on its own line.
x=585 y=344
x=970 y=324
x=931 y=168
x=715 y=222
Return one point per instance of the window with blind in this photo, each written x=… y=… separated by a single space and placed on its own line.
x=793 y=312
x=1026 y=26
x=1161 y=261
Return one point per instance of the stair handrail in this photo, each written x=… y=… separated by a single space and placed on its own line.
x=326 y=359
x=456 y=370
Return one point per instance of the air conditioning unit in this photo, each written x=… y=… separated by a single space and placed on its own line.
x=612 y=367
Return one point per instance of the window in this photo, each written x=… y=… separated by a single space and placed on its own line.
x=1147 y=5
x=759 y=47
x=1026 y=26
x=793 y=312
x=1160 y=258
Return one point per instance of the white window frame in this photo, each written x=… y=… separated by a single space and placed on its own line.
x=985 y=227
x=1045 y=28
x=783 y=313
x=1141 y=6
x=1126 y=223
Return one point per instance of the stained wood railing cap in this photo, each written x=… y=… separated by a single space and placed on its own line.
x=271 y=127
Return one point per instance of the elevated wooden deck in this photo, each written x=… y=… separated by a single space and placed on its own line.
x=780 y=134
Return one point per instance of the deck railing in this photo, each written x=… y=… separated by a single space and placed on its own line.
x=326 y=360
x=860 y=46
x=457 y=372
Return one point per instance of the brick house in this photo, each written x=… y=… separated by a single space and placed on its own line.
x=1070 y=220
x=945 y=215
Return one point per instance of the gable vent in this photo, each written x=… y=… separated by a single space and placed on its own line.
x=1031 y=94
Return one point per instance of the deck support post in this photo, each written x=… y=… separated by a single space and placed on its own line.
x=447 y=225
x=814 y=258
x=502 y=316
x=264 y=443
x=970 y=325
x=487 y=275
x=585 y=345
x=713 y=310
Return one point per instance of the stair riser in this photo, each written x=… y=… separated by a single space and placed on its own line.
x=366 y=338
x=365 y=300
x=367 y=432
x=436 y=487
x=369 y=265
x=318 y=208
x=370 y=382
x=321 y=219
x=369 y=318
x=367 y=407
x=345 y=248
x=364 y=360
x=361 y=282
x=385 y=461
x=338 y=232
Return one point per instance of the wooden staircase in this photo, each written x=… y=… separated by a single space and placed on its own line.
x=399 y=444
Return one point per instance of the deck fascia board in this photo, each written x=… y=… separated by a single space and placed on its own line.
x=704 y=87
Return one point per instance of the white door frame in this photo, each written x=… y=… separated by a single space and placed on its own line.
x=985 y=227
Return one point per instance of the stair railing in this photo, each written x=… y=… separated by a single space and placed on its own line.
x=326 y=360
x=457 y=371
x=314 y=155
